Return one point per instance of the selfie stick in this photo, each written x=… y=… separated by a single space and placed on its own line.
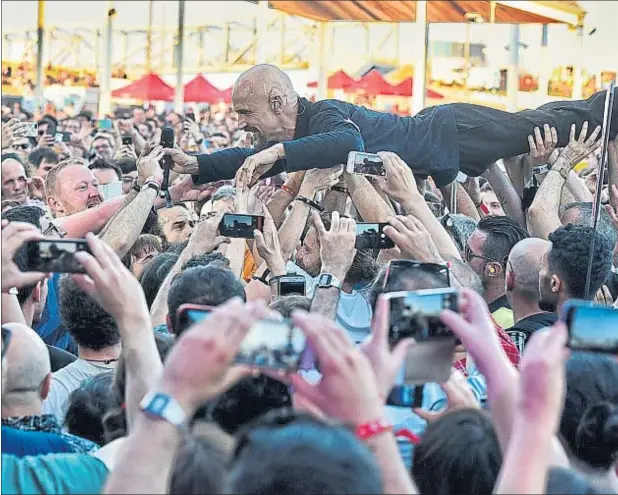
x=167 y=141
x=596 y=205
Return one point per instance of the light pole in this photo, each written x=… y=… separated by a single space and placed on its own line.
x=180 y=94
x=105 y=97
x=38 y=99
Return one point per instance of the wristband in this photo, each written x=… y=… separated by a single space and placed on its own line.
x=263 y=278
x=288 y=190
x=340 y=189
x=373 y=428
x=310 y=203
x=152 y=185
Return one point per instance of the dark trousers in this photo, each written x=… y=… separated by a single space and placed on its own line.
x=486 y=134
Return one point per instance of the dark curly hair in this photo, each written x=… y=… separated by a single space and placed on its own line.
x=90 y=325
x=502 y=234
x=568 y=258
x=154 y=274
x=215 y=258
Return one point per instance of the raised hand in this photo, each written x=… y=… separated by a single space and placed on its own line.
x=319 y=179
x=111 y=284
x=348 y=390
x=337 y=244
x=268 y=246
x=186 y=190
x=541 y=150
x=386 y=363
x=148 y=162
x=182 y=163
x=11 y=130
x=257 y=165
x=580 y=147
x=14 y=235
x=412 y=239
x=36 y=188
x=205 y=238
x=126 y=150
x=399 y=183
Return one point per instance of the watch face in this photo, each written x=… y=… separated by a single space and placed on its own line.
x=325 y=279
x=158 y=404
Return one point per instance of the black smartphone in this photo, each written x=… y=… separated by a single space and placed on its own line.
x=372 y=236
x=127 y=140
x=289 y=285
x=406 y=396
x=241 y=226
x=55 y=256
x=592 y=327
x=365 y=164
x=416 y=315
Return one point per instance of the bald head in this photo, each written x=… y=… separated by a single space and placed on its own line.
x=523 y=267
x=266 y=103
x=28 y=365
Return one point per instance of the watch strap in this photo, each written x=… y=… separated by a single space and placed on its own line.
x=332 y=282
x=310 y=203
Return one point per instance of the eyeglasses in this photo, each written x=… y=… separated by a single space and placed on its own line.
x=24 y=146
x=469 y=255
x=6 y=338
x=395 y=266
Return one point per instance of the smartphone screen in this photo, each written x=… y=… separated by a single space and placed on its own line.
x=105 y=124
x=272 y=344
x=127 y=140
x=593 y=328
x=55 y=256
x=292 y=285
x=406 y=396
x=111 y=190
x=240 y=226
x=372 y=236
x=32 y=129
x=365 y=164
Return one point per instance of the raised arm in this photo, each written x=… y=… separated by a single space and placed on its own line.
x=506 y=193
x=91 y=220
x=367 y=201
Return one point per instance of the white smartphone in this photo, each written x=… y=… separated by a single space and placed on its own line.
x=365 y=164
x=111 y=190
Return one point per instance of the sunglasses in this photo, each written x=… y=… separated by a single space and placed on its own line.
x=6 y=339
x=22 y=146
x=396 y=266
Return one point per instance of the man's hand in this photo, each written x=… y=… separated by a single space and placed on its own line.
x=386 y=363
x=46 y=141
x=541 y=150
x=215 y=341
x=412 y=239
x=268 y=246
x=348 y=390
x=337 y=244
x=14 y=235
x=148 y=163
x=204 y=238
x=190 y=127
x=604 y=296
x=111 y=284
x=257 y=165
x=318 y=179
x=36 y=188
x=182 y=163
x=127 y=151
x=543 y=380
x=399 y=183
x=459 y=395
x=579 y=148
x=11 y=130
x=185 y=190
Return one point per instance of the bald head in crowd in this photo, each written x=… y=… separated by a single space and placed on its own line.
x=523 y=267
x=28 y=373
x=266 y=103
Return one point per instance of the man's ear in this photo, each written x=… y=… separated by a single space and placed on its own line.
x=46 y=386
x=276 y=101
x=556 y=284
x=509 y=280
x=493 y=269
x=54 y=204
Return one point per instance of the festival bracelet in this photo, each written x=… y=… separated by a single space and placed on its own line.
x=373 y=428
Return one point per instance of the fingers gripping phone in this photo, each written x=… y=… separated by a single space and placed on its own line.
x=32 y=129
x=417 y=315
x=269 y=344
x=365 y=164
x=288 y=285
x=240 y=226
x=592 y=327
x=55 y=256
x=372 y=236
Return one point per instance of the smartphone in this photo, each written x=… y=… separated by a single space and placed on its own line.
x=191 y=314
x=406 y=396
x=127 y=140
x=416 y=315
x=62 y=137
x=55 y=256
x=289 y=285
x=111 y=190
x=365 y=164
x=592 y=327
x=32 y=129
x=105 y=124
x=372 y=236
x=241 y=226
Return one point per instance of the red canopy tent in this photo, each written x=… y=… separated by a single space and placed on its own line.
x=201 y=90
x=338 y=80
x=149 y=88
x=404 y=88
x=373 y=83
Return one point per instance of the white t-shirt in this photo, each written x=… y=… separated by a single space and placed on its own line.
x=68 y=379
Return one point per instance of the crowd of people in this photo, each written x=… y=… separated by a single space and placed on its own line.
x=107 y=389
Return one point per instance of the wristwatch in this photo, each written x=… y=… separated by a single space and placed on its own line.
x=327 y=280
x=162 y=406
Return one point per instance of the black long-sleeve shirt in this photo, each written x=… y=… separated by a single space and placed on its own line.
x=326 y=131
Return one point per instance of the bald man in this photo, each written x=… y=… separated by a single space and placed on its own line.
x=522 y=289
x=28 y=380
x=296 y=134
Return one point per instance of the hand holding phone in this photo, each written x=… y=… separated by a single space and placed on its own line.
x=105 y=124
x=368 y=164
x=240 y=226
x=592 y=327
x=55 y=255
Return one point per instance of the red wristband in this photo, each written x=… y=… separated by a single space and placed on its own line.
x=288 y=190
x=373 y=428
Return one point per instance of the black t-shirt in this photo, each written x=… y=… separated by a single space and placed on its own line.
x=524 y=328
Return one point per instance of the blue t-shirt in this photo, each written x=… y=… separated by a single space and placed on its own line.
x=50 y=327
x=24 y=443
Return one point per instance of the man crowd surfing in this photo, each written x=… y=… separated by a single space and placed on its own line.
x=174 y=347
